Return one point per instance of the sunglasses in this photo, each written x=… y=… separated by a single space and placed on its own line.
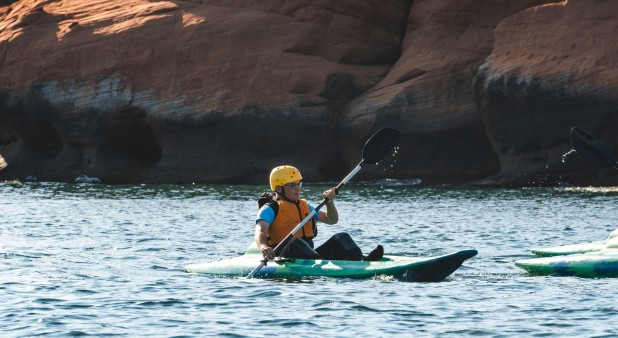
x=294 y=186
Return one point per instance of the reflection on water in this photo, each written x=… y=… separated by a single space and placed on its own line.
x=94 y=259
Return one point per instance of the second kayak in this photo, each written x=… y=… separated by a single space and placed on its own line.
x=594 y=264
x=590 y=265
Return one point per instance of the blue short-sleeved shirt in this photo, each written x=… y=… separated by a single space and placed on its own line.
x=267 y=214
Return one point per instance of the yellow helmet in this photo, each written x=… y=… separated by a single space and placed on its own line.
x=283 y=175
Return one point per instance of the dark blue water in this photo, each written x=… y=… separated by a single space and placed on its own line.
x=79 y=260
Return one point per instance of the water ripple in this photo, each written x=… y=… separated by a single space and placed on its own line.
x=102 y=260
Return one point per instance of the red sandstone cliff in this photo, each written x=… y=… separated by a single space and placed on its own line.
x=221 y=91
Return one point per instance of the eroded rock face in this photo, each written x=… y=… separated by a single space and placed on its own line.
x=429 y=95
x=552 y=67
x=222 y=91
x=177 y=91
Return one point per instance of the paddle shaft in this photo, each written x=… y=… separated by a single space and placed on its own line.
x=287 y=238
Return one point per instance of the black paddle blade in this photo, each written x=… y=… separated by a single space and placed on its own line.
x=591 y=148
x=379 y=145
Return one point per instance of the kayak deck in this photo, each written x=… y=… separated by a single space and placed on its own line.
x=414 y=269
x=572 y=249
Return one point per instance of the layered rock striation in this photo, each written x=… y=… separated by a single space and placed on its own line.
x=484 y=92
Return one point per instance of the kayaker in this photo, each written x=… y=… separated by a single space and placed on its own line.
x=275 y=221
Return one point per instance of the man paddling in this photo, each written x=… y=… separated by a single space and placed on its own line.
x=275 y=220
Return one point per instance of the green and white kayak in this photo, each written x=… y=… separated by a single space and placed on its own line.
x=574 y=248
x=595 y=264
x=414 y=269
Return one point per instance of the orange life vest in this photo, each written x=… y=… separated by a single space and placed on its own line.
x=289 y=216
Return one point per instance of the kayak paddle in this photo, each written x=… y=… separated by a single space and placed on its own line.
x=375 y=149
x=592 y=149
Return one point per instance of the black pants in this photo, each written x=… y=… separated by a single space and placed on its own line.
x=341 y=246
